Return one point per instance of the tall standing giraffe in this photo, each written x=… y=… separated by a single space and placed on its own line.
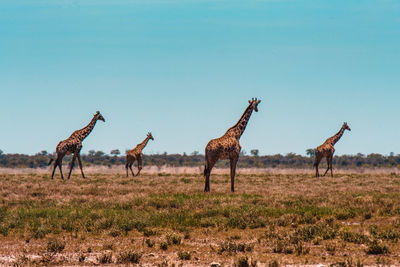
x=73 y=145
x=326 y=150
x=136 y=154
x=227 y=146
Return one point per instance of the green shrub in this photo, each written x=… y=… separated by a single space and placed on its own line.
x=235 y=237
x=233 y=247
x=286 y=220
x=149 y=243
x=376 y=248
x=164 y=245
x=40 y=232
x=3 y=230
x=331 y=248
x=115 y=233
x=82 y=258
x=279 y=246
x=273 y=263
x=301 y=250
x=348 y=263
x=243 y=261
x=173 y=239
x=237 y=222
x=105 y=258
x=55 y=245
x=307 y=233
x=184 y=255
x=345 y=214
x=388 y=234
x=105 y=223
x=129 y=257
x=282 y=246
x=187 y=235
x=108 y=246
x=347 y=235
x=149 y=232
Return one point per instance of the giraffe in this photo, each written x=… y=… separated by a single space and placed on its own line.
x=73 y=145
x=326 y=150
x=136 y=154
x=227 y=146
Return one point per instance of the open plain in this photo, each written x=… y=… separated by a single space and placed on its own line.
x=165 y=219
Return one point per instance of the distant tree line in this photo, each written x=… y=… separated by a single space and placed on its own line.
x=290 y=160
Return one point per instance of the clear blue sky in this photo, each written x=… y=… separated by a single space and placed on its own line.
x=185 y=69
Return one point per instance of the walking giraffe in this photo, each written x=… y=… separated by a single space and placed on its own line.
x=227 y=146
x=73 y=145
x=326 y=150
x=136 y=154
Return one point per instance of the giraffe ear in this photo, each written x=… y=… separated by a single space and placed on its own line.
x=97 y=112
x=249 y=101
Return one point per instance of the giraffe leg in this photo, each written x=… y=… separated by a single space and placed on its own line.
x=80 y=163
x=140 y=164
x=207 y=172
x=55 y=166
x=127 y=160
x=60 y=167
x=316 y=164
x=130 y=167
x=72 y=165
x=233 y=172
x=330 y=160
x=327 y=162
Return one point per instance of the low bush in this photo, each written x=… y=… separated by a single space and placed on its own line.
x=184 y=255
x=376 y=248
x=129 y=257
x=55 y=245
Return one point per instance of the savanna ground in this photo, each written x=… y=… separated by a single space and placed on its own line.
x=166 y=219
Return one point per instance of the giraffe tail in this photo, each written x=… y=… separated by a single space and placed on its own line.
x=51 y=160
x=205 y=169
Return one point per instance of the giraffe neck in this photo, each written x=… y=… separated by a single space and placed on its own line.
x=144 y=143
x=238 y=129
x=84 y=132
x=337 y=136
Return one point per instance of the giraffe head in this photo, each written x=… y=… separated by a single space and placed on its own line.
x=99 y=116
x=150 y=136
x=346 y=127
x=254 y=103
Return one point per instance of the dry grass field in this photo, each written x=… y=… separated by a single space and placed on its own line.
x=166 y=220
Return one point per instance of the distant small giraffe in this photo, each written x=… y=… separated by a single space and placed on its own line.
x=73 y=145
x=136 y=154
x=227 y=146
x=326 y=150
